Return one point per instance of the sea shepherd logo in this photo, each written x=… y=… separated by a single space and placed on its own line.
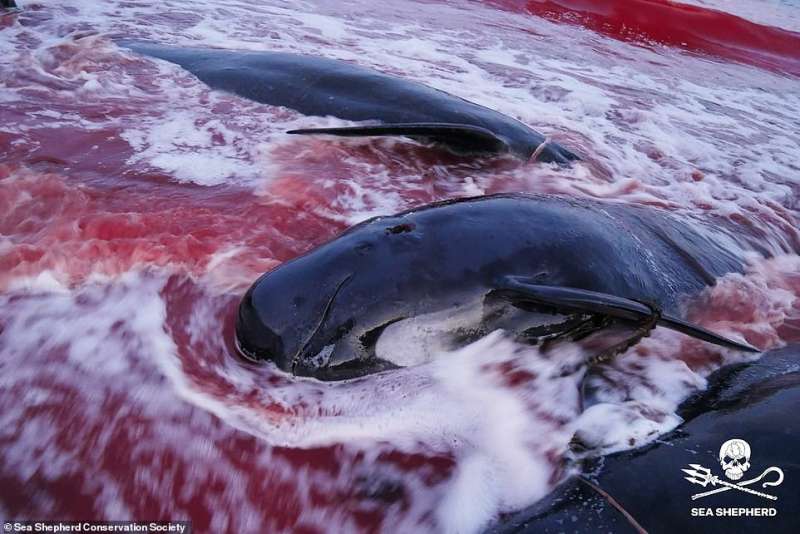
x=734 y=459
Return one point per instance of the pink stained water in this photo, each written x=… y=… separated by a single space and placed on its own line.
x=136 y=205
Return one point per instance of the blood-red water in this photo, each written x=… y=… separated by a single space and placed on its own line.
x=136 y=206
x=691 y=27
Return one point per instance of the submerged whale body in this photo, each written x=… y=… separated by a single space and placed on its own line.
x=394 y=106
x=508 y=256
x=754 y=402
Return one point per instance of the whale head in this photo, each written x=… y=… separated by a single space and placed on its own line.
x=306 y=315
x=286 y=321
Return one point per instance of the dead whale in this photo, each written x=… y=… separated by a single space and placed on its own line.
x=393 y=106
x=508 y=256
x=742 y=430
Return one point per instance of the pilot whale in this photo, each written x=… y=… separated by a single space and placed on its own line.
x=393 y=106
x=510 y=255
x=647 y=489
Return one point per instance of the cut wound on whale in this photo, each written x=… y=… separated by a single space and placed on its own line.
x=400 y=228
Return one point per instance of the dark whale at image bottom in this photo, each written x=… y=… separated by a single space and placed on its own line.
x=742 y=430
x=583 y=265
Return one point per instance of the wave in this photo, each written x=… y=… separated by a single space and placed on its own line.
x=690 y=27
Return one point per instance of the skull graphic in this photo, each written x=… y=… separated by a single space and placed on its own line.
x=734 y=457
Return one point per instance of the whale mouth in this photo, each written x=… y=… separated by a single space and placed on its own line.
x=243 y=352
x=296 y=360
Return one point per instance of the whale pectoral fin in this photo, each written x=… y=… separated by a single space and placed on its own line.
x=461 y=137
x=580 y=300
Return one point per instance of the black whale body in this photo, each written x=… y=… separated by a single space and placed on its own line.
x=756 y=402
x=325 y=87
x=340 y=296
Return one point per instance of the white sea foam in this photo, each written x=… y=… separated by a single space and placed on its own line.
x=654 y=126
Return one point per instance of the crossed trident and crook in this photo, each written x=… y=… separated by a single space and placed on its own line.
x=702 y=475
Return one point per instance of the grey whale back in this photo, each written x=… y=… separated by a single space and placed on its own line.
x=318 y=86
x=573 y=256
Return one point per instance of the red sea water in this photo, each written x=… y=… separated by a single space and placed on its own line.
x=136 y=205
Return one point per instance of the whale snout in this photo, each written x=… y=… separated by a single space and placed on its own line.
x=255 y=340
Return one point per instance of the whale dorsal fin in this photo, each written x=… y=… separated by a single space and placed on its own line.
x=593 y=302
x=460 y=137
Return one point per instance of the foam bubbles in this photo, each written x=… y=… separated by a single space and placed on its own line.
x=138 y=204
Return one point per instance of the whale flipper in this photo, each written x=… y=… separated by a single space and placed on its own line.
x=593 y=302
x=321 y=87
x=457 y=136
